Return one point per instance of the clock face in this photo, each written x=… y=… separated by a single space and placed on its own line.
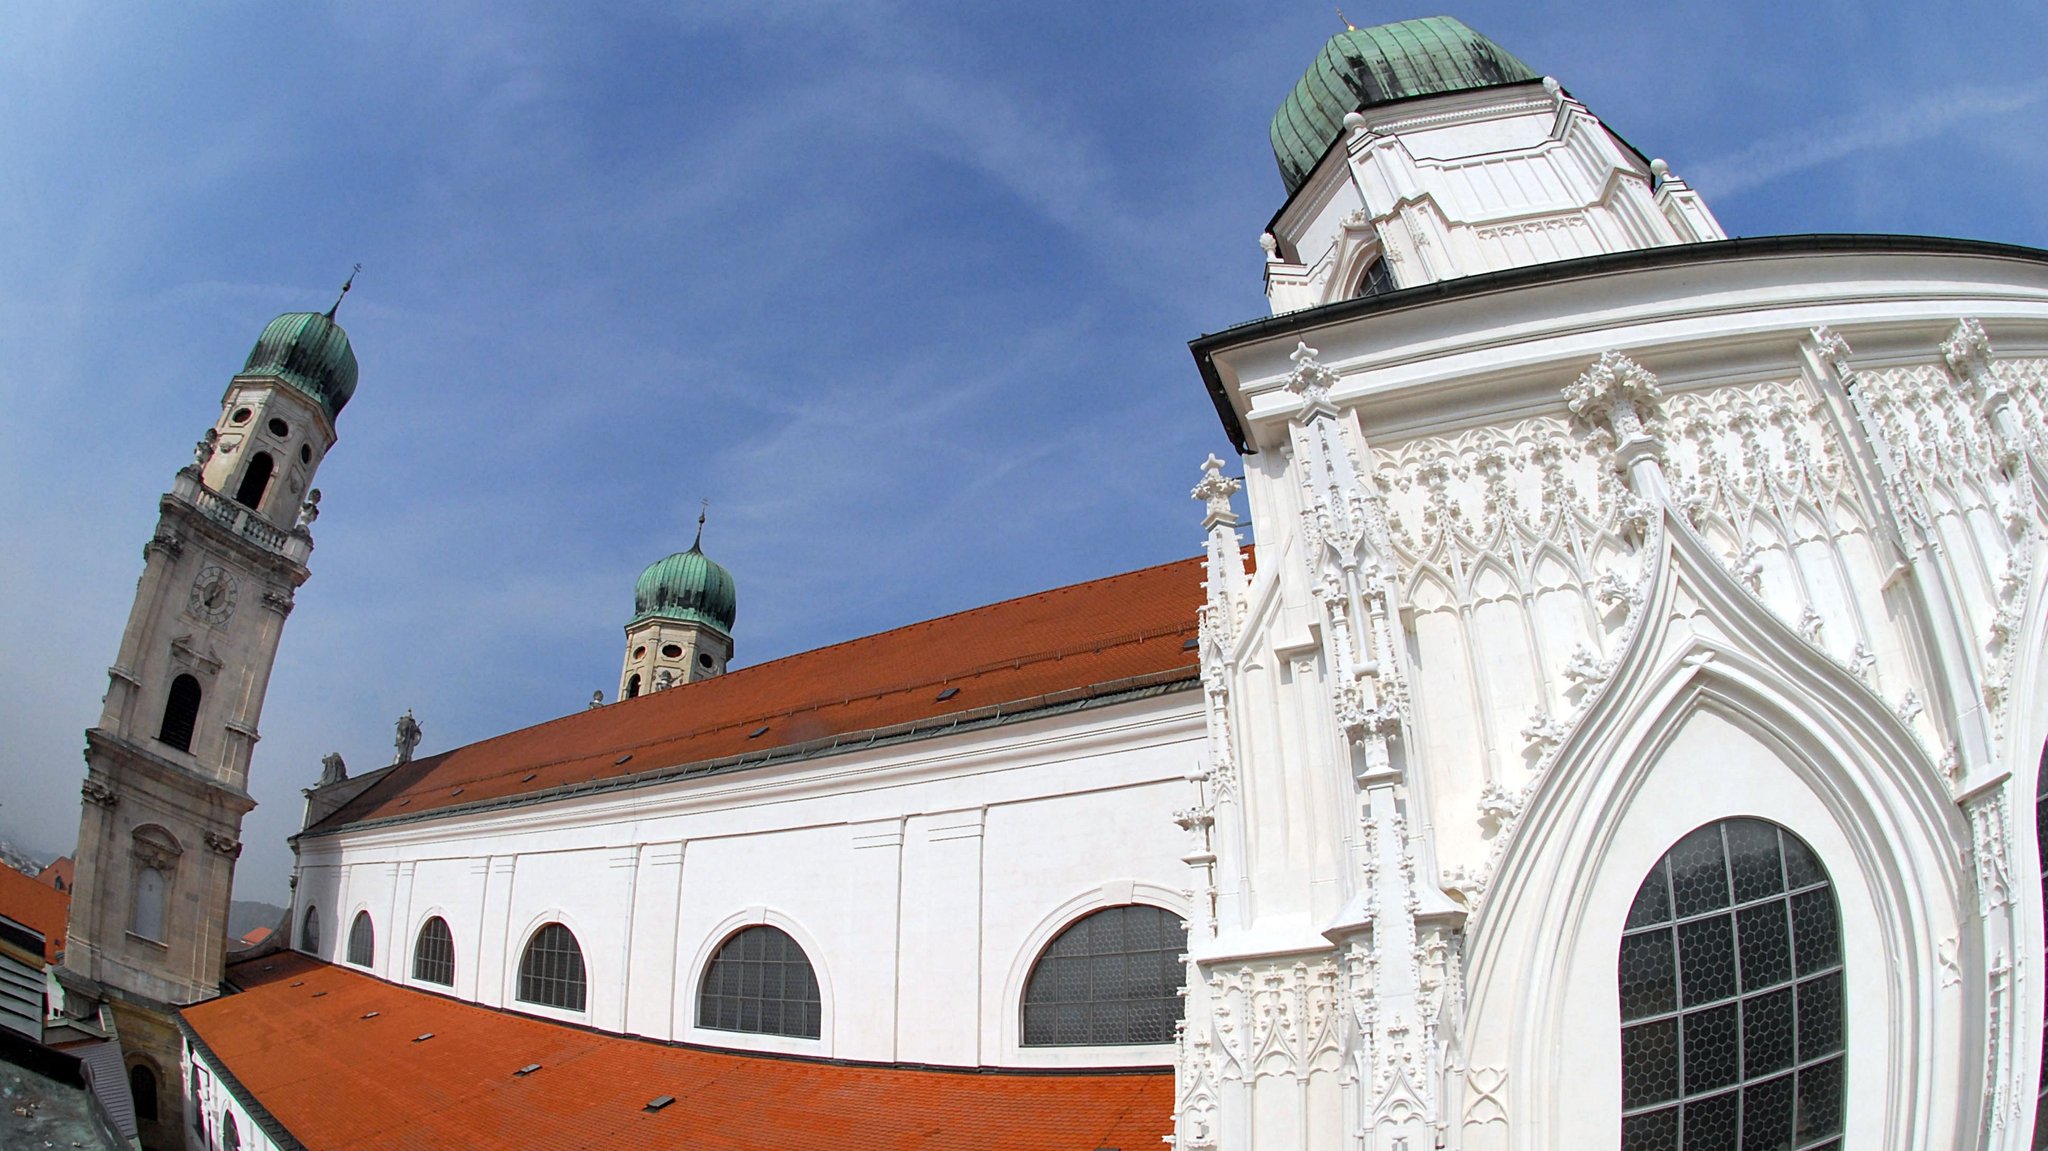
x=213 y=595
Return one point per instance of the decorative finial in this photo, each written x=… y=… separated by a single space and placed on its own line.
x=345 y=286
x=701 y=513
x=1215 y=490
x=1348 y=25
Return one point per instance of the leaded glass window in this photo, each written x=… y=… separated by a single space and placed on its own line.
x=433 y=954
x=362 y=941
x=551 y=970
x=1377 y=278
x=1112 y=978
x=760 y=981
x=1731 y=996
x=309 y=937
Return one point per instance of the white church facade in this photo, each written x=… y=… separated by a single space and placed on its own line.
x=1605 y=714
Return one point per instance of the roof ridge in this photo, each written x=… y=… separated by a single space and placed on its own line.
x=845 y=643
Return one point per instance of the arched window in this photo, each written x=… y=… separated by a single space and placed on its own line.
x=1113 y=977
x=362 y=940
x=551 y=969
x=148 y=919
x=1731 y=995
x=433 y=954
x=142 y=1089
x=198 y=1110
x=230 y=1139
x=255 y=480
x=1376 y=279
x=633 y=686
x=760 y=981
x=309 y=935
x=181 y=713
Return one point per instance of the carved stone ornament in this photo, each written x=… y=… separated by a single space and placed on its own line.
x=1310 y=380
x=202 y=452
x=279 y=600
x=153 y=847
x=1216 y=490
x=1619 y=393
x=309 y=511
x=98 y=792
x=165 y=540
x=1968 y=352
x=1832 y=348
x=226 y=845
x=1488 y=1098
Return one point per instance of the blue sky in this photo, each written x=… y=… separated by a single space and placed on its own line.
x=904 y=290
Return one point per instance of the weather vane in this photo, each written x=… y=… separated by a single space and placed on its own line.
x=701 y=513
x=1348 y=25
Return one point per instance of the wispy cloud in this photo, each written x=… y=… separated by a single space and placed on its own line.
x=1866 y=130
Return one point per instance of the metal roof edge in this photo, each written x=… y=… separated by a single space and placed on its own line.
x=273 y=1127
x=1126 y=690
x=1205 y=347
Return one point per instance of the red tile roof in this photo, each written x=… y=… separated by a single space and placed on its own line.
x=57 y=874
x=1083 y=641
x=254 y=936
x=37 y=906
x=297 y=1043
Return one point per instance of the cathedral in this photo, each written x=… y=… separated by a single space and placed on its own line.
x=1601 y=715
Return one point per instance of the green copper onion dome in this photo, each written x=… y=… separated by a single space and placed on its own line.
x=310 y=352
x=687 y=587
x=1365 y=66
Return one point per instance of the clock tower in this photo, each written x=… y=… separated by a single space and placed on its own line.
x=167 y=766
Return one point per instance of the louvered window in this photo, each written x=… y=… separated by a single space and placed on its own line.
x=1113 y=978
x=1731 y=996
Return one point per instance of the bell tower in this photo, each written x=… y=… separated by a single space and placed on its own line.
x=681 y=630
x=167 y=765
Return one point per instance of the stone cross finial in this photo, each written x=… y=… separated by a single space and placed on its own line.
x=1310 y=379
x=1217 y=488
x=408 y=737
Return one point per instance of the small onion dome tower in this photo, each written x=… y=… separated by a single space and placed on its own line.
x=681 y=630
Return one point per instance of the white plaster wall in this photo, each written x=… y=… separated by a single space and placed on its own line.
x=920 y=879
